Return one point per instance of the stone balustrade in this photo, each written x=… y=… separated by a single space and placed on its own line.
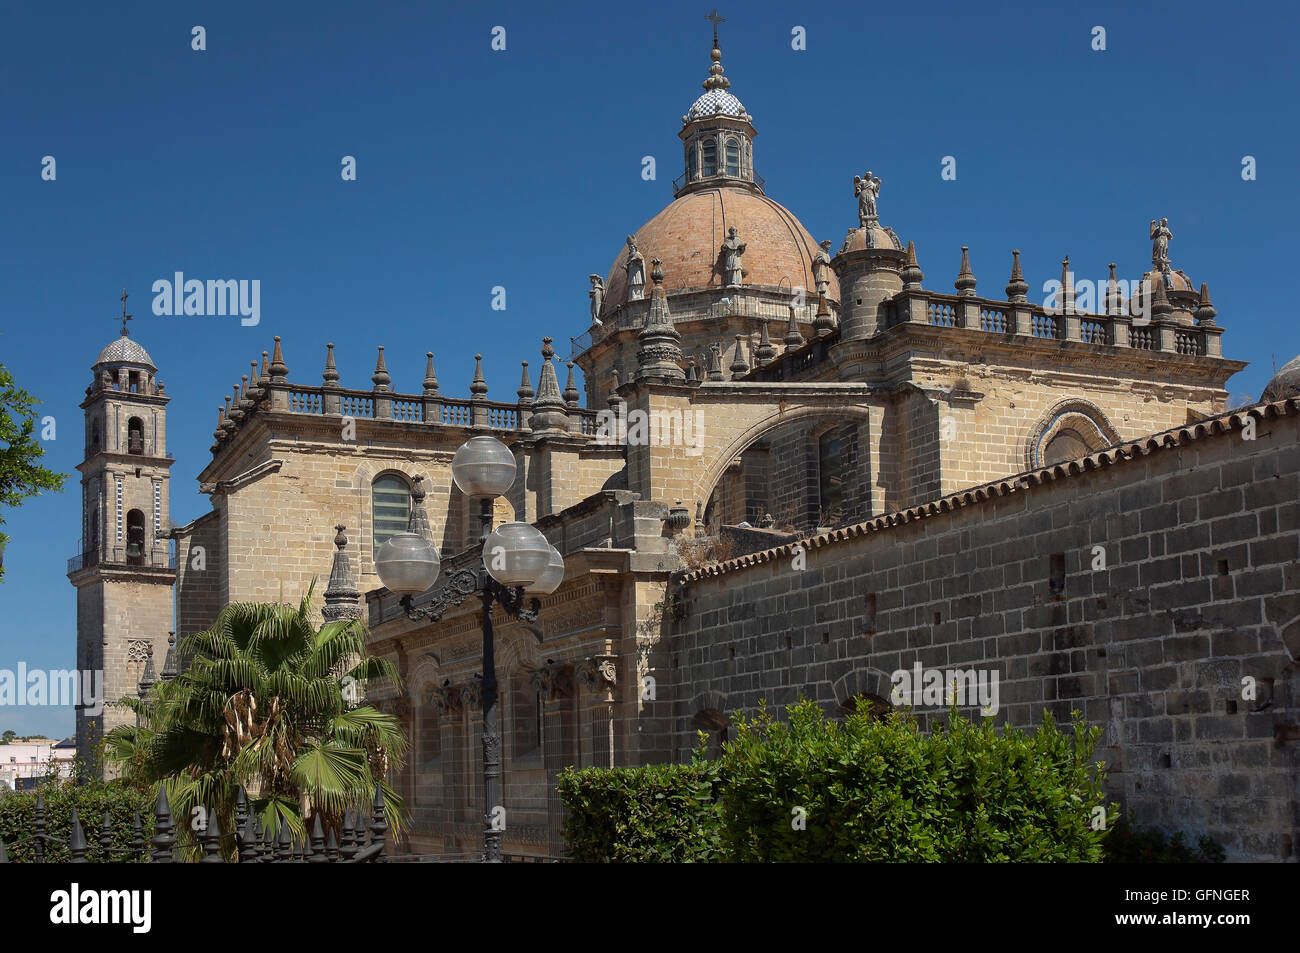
x=1022 y=319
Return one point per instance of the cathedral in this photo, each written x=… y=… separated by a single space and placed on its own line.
x=795 y=466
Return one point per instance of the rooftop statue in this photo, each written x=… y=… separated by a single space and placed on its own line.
x=597 y=296
x=635 y=271
x=867 y=189
x=732 y=250
x=1160 y=235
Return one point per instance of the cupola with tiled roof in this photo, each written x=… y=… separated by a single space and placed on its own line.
x=718 y=134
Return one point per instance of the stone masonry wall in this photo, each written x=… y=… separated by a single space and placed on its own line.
x=1200 y=589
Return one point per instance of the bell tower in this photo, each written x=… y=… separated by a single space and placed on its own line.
x=123 y=570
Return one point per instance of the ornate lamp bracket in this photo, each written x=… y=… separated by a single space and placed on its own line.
x=463 y=583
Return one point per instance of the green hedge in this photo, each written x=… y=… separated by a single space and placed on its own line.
x=866 y=789
x=18 y=811
x=659 y=813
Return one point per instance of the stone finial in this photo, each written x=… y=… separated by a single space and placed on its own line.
x=793 y=338
x=715 y=363
x=1017 y=287
x=220 y=432
x=245 y=402
x=1114 y=301
x=1205 y=311
x=342 y=597
x=235 y=412
x=266 y=369
x=912 y=274
x=571 y=392
x=823 y=324
x=478 y=387
x=525 y=392
x=548 y=409
x=660 y=353
x=1066 y=299
x=699 y=517
x=765 y=353
x=330 y=376
x=279 y=370
x=148 y=678
x=739 y=366
x=380 y=377
x=254 y=387
x=418 y=521
x=965 y=283
x=170 y=668
x=227 y=425
x=430 y=377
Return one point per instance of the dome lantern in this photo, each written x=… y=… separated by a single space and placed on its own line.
x=718 y=134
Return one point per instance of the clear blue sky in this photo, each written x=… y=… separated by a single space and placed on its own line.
x=523 y=169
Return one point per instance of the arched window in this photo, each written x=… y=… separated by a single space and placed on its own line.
x=733 y=157
x=830 y=465
x=868 y=703
x=714 y=723
x=1066 y=445
x=710 y=154
x=135 y=541
x=526 y=706
x=135 y=435
x=391 y=497
x=429 y=735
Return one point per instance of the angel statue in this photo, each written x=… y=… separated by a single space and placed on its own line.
x=867 y=189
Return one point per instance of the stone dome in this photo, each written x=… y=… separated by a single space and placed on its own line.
x=1285 y=383
x=1178 y=281
x=1178 y=289
x=874 y=236
x=688 y=235
x=125 y=351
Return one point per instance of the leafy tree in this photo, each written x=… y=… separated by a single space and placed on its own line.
x=8 y=737
x=260 y=703
x=21 y=475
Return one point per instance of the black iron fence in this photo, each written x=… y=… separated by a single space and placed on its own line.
x=361 y=839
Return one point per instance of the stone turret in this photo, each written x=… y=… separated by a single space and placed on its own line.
x=870 y=267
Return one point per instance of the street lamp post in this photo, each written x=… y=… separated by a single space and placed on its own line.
x=516 y=561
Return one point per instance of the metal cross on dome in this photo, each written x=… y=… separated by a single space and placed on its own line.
x=715 y=20
x=125 y=317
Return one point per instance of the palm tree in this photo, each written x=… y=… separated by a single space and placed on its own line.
x=260 y=703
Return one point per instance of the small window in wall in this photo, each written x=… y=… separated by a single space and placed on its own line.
x=710 y=156
x=391 y=497
x=733 y=157
x=830 y=465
